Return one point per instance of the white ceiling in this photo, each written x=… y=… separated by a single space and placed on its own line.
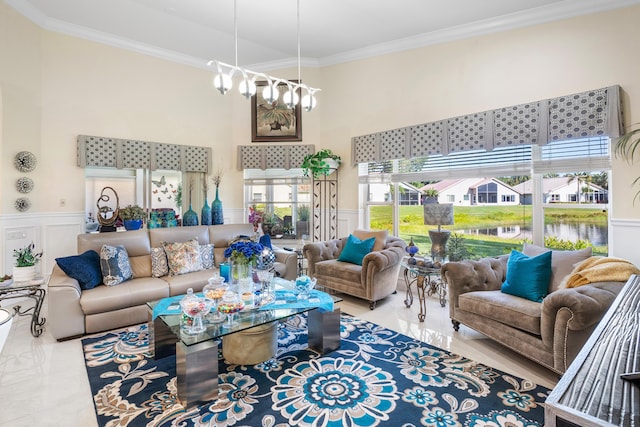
x=331 y=31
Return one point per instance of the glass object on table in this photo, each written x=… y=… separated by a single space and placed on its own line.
x=214 y=291
x=304 y=285
x=230 y=305
x=194 y=307
x=266 y=276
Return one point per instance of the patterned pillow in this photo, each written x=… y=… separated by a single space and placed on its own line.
x=114 y=263
x=183 y=257
x=206 y=254
x=159 y=263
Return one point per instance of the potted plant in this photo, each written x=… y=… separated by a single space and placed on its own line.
x=627 y=146
x=26 y=260
x=133 y=216
x=323 y=162
x=431 y=196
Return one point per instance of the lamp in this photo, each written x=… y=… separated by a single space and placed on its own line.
x=223 y=80
x=438 y=214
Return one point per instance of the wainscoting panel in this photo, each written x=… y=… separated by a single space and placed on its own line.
x=624 y=235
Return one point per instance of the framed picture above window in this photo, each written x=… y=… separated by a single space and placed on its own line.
x=271 y=122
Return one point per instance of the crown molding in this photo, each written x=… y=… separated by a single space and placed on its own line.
x=555 y=12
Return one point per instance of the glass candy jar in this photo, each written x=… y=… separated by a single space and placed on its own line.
x=194 y=307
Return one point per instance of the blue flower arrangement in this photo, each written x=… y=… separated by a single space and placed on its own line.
x=244 y=251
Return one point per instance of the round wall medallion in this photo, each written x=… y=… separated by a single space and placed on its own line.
x=22 y=204
x=25 y=161
x=24 y=184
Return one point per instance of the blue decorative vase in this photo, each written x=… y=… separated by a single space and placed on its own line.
x=216 y=210
x=132 y=224
x=205 y=214
x=190 y=218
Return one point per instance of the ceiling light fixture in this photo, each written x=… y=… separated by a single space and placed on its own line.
x=223 y=80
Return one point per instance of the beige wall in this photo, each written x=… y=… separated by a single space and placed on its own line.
x=54 y=87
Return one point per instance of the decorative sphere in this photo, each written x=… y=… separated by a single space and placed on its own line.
x=222 y=83
x=270 y=93
x=308 y=102
x=290 y=99
x=266 y=259
x=247 y=88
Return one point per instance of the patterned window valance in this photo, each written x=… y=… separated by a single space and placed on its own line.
x=133 y=154
x=272 y=156
x=585 y=114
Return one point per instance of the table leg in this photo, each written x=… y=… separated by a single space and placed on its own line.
x=442 y=292
x=197 y=373
x=162 y=341
x=37 y=295
x=408 y=280
x=324 y=330
x=420 y=285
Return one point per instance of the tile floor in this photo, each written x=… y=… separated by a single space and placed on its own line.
x=44 y=382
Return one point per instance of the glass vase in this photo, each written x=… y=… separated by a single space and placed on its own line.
x=190 y=218
x=205 y=214
x=216 y=210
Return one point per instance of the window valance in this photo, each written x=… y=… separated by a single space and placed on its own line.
x=581 y=115
x=272 y=156
x=132 y=154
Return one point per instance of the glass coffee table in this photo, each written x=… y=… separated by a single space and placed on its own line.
x=197 y=355
x=34 y=290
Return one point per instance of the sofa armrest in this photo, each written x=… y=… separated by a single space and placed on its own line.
x=379 y=261
x=569 y=316
x=289 y=259
x=65 y=315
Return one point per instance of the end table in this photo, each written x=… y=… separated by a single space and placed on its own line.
x=427 y=281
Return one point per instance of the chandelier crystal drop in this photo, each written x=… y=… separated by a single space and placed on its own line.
x=223 y=80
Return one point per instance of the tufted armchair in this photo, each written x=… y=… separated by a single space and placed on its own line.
x=375 y=279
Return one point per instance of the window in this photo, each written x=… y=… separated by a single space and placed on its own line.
x=497 y=207
x=283 y=197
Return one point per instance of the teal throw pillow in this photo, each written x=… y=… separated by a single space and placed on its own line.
x=355 y=249
x=528 y=277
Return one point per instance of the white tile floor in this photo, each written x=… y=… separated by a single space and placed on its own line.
x=44 y=382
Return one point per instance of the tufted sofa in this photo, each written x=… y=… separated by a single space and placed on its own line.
x=551 y=332
x=74 y=312
x=375 y=279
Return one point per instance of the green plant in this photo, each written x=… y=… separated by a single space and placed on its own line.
x=431 y=192
x=27 y=257
x=316 y=164
x=457 y=248
x=303 y=213
x=132 y=212
x=626 y=147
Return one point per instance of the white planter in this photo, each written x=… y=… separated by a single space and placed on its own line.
x=333 y=164
x=24 y=274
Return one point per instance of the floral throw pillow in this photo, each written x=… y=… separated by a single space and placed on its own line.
x=114 y=263
x=206 y=254
x=159 y=263
x=183 y=257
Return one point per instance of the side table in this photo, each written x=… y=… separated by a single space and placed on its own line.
x=427 y=281
x=31 y=290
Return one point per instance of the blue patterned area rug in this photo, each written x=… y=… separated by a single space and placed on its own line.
x=377 y=377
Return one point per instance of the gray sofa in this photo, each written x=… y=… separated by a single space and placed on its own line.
x=375 y=279
x=74 y=312
x=551 y=332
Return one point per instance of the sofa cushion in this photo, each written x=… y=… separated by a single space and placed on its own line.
x=85 y=268
x=178 y=285
x=114 y=263
x=562 y=262
x=528 y=277
x=131 y=293
x=504 y=308
x=338 y=269
x=355 y=249
x=140 y=265
x=379 y=235
x=183 y=257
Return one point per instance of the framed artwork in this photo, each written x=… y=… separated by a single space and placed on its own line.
x=274 y=122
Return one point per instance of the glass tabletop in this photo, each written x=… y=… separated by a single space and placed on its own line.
x=422 y=266
x=246 y=319
x=11 y=285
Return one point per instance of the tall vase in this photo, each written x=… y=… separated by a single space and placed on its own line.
x=190 y=218
x=216 y=210
x=205 y=214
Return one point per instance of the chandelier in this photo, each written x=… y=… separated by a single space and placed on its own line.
x=223 y=80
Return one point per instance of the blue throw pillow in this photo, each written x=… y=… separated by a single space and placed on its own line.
x=85 y=268
x=355 y=249
x=528 y=277
x=114 y=263
x=265 y=239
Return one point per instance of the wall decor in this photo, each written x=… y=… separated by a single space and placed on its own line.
x=272 y=122
x=22 y=204
x=24 y=184
x=25 y=161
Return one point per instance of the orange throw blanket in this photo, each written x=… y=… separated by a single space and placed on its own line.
x=600 y=269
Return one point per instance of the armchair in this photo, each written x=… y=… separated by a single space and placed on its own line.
x=375 y=279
